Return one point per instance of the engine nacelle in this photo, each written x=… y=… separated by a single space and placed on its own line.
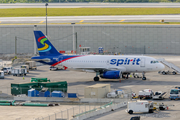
x=111 y=74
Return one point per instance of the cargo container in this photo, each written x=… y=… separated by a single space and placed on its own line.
x=72 y=95
x=31 y=64
x=33 y=93
x=44 y=93
x=55 y=86
x=57 y=94
x=97 y=91
x=22 y=88
x=40 y=80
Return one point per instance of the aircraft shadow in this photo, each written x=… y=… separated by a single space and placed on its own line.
x=7 y=78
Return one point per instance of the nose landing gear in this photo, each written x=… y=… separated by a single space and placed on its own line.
x=143 y=78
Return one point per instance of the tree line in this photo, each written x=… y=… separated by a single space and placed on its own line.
x=111 y=1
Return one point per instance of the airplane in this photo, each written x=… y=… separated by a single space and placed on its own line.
x=105 y=66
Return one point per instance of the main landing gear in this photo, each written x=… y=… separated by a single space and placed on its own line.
x=96 y=78
x=143 y=78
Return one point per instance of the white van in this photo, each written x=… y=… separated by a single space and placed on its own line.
x=139 y=106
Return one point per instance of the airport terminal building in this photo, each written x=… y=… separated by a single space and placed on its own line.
x=124 y=39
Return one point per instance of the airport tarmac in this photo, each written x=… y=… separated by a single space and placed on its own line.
x=89 y=19
x=78 y=80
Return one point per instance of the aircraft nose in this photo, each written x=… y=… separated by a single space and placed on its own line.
x=161 y=66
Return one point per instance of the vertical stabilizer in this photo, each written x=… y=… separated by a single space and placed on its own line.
x=45 y=48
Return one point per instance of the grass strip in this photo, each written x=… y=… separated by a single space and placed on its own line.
x=26 y=12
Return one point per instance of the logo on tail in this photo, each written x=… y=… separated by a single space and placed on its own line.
x=46 y=46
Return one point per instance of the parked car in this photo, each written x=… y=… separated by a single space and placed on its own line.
x=56 y=68
x=7 y=70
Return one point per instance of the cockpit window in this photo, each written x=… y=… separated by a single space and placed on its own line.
x=154 y=61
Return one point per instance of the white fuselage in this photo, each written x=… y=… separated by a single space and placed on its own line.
x=125 y=63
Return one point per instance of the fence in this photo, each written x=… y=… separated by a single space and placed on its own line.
x=85 y=106
x=18 y=91
x=84 y=111
x=124 y=39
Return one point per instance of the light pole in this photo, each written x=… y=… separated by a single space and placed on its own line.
x=46 y=17
x=35 y=27
x=73 y=37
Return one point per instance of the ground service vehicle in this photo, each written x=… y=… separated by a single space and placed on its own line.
x=115 y=94
x=139 y=106
x=26 y=67
x=174 y=94
x=19 y=71
x=31 y=64
x=7 y=70
x=1 y=74
x=146 y=93
x=167 y=72
x=159 y=95
x=56 y=67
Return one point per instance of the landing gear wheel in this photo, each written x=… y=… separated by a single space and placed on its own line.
x=174 y=73
x=144 y=78
x=163 y=72
x=151 y=111
x=130 y=112
x=96 y=78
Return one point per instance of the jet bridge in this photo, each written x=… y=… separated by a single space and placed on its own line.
x=171 y=66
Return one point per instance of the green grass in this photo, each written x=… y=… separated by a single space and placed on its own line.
x=25 y=12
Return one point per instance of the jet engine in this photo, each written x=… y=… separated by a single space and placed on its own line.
x=111 y=74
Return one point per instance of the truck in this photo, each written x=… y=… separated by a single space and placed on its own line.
x=146 y=93
x=174 y=94
x=115 y=94
x=26 y=67
x=7 y=70
x=139 y=106
x=31 y=64
x=19 y=71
